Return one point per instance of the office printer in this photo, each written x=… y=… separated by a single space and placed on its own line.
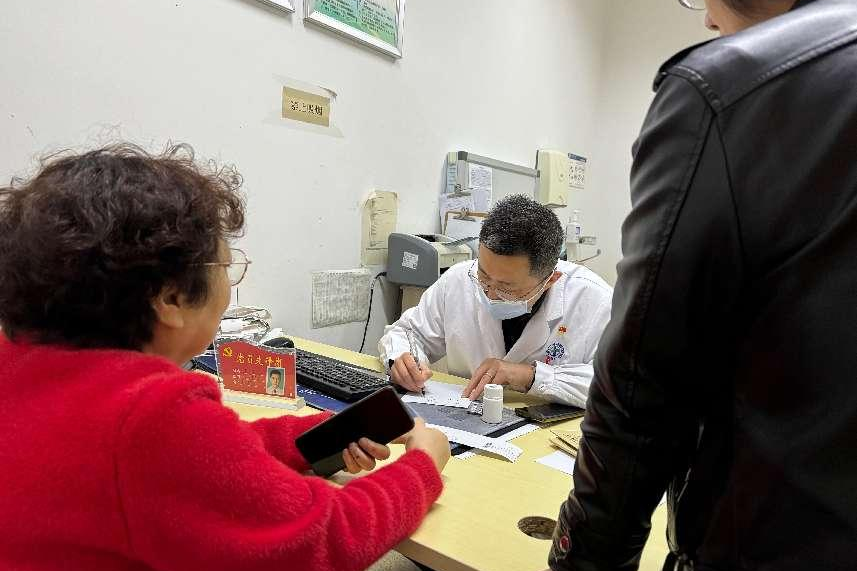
x=419 y=259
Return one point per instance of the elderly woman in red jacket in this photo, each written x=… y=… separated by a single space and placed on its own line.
x=114 y=270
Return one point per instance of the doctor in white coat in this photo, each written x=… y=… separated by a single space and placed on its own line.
x=518 y=316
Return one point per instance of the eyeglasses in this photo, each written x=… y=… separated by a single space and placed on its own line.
x=505 y=295
x=693 y=4
x=236 y=268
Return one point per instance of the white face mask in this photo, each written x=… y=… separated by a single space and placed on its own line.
x=501 y=309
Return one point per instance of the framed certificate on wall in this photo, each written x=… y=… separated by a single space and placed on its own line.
x=284 y=5
x=375 y=23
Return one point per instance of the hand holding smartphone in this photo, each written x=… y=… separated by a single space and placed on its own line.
x=380 y=417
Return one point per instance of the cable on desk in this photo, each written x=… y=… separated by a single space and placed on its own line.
x=369 y=314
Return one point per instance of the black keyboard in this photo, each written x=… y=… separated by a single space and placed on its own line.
x=338 y=379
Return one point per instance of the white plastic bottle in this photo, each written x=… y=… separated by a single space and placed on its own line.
x=492 y=404
x=574 y=233
x=576 y=229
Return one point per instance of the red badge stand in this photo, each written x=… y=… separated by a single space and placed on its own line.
x=248 y=371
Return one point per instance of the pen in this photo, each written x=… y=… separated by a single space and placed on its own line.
x=413 y=351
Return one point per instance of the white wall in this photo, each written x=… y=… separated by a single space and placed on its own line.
x=499 y=78
x=639 y=36
x=491 y=77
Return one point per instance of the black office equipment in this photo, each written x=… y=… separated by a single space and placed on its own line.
x=280 y=343
x=552 y=412
x=380 y=417
x=206 y=362
x=338 y=379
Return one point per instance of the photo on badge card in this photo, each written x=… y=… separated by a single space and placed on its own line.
x=275 y=377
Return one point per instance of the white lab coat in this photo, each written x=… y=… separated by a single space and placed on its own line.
x=561 y=337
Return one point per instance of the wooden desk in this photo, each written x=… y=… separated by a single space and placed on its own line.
x=474 y=524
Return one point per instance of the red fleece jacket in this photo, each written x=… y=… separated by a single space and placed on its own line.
x=118 y=460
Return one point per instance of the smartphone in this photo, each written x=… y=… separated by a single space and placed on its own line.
x=552 y=412
x=381 y=417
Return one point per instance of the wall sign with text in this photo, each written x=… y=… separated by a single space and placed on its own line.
x=376 y=23
x=307 y=107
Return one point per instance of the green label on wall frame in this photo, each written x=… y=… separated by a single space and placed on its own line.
x=377 y=18
x=378 y=23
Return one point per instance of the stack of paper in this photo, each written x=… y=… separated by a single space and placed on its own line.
x=566 y=440
x=558 y=460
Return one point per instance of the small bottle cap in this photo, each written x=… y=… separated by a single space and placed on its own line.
x=493 y=391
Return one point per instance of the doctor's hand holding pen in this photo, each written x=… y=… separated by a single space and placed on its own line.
x=410 y=374
x=517 y=376
x=407 y=370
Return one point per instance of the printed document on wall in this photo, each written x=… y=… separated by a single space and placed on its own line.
x=379 y=219
x=457 y=203
x=472 y=201
x=480 y=178
x=451 y=175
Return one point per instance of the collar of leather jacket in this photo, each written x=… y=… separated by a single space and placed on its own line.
x=725 y=69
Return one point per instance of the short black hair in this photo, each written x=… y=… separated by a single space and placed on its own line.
x=89 y=241
x=518 y=225
x=275 y=372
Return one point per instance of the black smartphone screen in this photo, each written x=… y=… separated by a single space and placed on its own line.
x=380 y=417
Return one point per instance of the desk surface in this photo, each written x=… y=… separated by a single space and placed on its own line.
x=474 y=524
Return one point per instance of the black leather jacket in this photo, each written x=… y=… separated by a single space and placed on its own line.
x=729 y=368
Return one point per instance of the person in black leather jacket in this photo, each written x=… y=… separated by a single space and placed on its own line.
x=728 y=371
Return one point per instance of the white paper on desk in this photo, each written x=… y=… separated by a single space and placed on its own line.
x=559 y=460
x=505 y=449
x=509 y=436
x=440 y=394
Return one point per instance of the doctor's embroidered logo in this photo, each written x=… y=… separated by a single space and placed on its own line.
x=562 y=329
x=555 y=350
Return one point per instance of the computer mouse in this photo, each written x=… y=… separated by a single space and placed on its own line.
x=280 y=343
